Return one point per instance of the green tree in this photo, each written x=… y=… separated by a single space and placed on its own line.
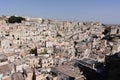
x=14 y=19
x=34 y=51
x=59 y=35
x=107 y=31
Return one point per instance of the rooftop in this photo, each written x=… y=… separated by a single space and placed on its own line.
x=17 y=76
x=5 y=68
x=69 y=70
x=88 y=62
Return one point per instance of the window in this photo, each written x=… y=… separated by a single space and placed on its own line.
x=12 y=35
x=10 y=44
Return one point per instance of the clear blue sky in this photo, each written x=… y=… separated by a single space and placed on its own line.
x=105 y=11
